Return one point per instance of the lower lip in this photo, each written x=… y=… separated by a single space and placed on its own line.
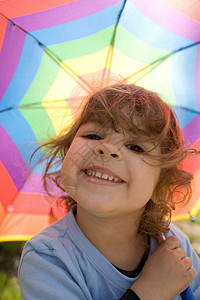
x=100 y=180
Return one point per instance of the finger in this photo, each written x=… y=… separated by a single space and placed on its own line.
x=187 y=262
x=172 y=242
x=180 y=252
x=190 y=275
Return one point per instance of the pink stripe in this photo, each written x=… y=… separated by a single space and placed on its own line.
x=12 y=159
x=197 y=76
x=9 y=58
x=169 y=18
x=191 y=130
x=34 y=184
x=62 y=14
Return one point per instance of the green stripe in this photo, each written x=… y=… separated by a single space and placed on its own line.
x=125 y=42
x=39 y=121
x=45 y=77
x=84 y=46
x=135 y=49
x=32 y=110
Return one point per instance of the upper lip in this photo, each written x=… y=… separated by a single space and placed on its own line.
x=103 y=170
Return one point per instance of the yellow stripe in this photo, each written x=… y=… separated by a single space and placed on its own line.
x=90 y=67
x=194 y=211
x=181 y=217
x=15 y=237
x=89 y=63
x=59 y=113
x=121 y=65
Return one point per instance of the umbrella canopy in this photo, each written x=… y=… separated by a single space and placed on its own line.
x=55 y=52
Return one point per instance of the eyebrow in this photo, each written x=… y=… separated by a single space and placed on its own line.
x=142 y=132
x=100 y=127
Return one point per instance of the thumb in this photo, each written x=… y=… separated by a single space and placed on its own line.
x=171 y=242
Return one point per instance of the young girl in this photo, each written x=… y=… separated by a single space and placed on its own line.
x=121 y=170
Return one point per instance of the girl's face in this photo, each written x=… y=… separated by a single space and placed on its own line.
x=105 y=171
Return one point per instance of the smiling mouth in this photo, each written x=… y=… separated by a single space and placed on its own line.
x=104 y=176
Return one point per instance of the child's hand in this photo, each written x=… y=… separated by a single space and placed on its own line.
x=166 y=273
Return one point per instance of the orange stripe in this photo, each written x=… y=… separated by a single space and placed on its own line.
x=13 y=8
x=24 y=224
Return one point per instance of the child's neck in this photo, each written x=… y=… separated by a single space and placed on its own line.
x=116 y=238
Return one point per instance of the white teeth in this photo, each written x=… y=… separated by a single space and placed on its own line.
x=89 y=172
x=105 y=176
x=100 y=175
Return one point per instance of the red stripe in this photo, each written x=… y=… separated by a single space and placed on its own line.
x=195 y=197
x=192 y=162
x=32 y=203
x=8 y=190
x=2 y=30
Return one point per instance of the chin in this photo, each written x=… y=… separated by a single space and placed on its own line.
x=97 y=206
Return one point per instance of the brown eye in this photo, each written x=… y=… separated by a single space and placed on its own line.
x=135 y=148
x=92 y=137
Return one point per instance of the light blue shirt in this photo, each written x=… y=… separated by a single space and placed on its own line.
x=60 y=263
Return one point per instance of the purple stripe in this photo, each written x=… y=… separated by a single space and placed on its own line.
x=197 y=77
x=10 y=55
x=62 y=14
x=166 y=16
x=11 y=158
x=192 y=130
x=35 y=185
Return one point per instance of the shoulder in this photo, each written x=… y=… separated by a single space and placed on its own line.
x=50 y=262
x=45 y=241
x=176 y=231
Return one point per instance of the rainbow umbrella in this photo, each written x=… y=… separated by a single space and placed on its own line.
x=55 y=52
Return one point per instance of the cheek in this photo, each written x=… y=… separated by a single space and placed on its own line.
x=68 y=177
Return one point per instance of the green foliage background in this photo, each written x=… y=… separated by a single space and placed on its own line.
x=9 y=261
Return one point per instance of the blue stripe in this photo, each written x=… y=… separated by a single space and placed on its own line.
x=183 y=78
x=79 y=28
x=149 y=32
x=184 y=116
x=20 y=132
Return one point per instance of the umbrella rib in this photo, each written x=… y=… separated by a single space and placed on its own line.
x=186 y=108
x=34 y=106
x=109 y=57
x=54 y=57
x=158 y=62
x=37 y=105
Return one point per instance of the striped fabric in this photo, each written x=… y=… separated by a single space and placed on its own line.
x=55 y=52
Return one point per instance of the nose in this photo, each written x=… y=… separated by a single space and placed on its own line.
x=108 y=151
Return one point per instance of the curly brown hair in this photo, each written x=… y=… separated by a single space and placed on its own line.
x=125 y=106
